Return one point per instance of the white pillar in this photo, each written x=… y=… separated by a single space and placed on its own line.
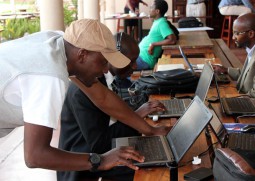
x=102 y=7
x=80 y=9
x=110 y=9
x=91 y=9
x=12 y=4
x=52 y=15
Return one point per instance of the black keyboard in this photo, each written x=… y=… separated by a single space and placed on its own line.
x=243 y=141
x=150 y=147
x=174 y=106
x=222 y=78
x=238 y=104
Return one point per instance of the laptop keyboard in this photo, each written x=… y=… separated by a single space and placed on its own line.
x=150 y=147
x=222 y=78
x=174 y=106
x=238 y=104
x=243 y=141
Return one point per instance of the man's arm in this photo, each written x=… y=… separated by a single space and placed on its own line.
x=234 y=73
x=129 y=6
x=169 y=40
x=111 y=104
x=39 y=154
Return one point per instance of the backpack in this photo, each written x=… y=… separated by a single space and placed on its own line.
x=189 y=22
x=175 y=30
x=165 y=82
x=134 y=101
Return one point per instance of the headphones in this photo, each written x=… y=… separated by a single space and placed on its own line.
x=119 y=37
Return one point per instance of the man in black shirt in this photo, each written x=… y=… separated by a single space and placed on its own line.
x=85 y=128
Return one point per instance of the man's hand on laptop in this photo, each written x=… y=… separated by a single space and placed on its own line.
x=219 y=69
x=120 y=156
x=161 y=130
x=150 y=107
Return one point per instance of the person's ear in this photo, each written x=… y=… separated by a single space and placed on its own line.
x=157 y=11
x=82 y=55
x=252 y=34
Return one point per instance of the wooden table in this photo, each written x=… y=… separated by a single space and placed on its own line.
x=192 y=43
x=201 y=144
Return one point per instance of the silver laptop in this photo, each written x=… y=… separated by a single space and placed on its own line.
x=176 y=107
x=159 y=150
x=186 y=60
x=233 y=140
x=236 y=105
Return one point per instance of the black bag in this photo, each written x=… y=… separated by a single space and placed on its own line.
x=234 y=165
x=189 y=22
x=175 y=30
x=166 y=82
x=134 y=101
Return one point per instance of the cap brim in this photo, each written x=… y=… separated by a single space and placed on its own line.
x=116 y=59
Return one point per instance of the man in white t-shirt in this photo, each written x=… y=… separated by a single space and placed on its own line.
x=34 y=72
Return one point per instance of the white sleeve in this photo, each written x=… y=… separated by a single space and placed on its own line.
x=42 y=99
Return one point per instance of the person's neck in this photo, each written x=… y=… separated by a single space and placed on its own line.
x=157 y=17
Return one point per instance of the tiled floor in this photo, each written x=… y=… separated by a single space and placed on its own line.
x=14 y=169
x=12 y=165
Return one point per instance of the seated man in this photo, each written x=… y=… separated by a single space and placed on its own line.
x=196 y=8
x=244 y=36
x=85 y=128
x=235 y=7
x=159 y=34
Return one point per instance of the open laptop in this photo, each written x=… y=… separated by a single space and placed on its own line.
x=186 y=60
x=159 y=150
x=176 y=107
x=233 y=140
x=236 y=105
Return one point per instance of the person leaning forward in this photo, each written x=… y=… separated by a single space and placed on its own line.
x=34 y=72
x=85 y=128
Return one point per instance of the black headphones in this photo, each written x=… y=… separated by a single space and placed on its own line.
x=119 y=37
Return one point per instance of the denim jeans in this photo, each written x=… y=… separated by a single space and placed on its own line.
x=141 y=65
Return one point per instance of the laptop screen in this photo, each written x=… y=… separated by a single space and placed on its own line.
x=188 y=128
x=218 y=128
x=204 y=81
x=186 y=60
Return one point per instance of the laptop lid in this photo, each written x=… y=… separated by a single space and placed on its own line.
x=201 y=91
x=204 y=81
x=218 y=129
x=188 y=128
x=186 y=60
x=218 y=93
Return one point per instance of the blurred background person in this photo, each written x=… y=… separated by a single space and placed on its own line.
x=132 y=24
x=196 y=8
x=235 y=7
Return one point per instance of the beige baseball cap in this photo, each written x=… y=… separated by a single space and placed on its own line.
x=95 y=36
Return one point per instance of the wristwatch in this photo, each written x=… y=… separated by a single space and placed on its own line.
x=95 y=160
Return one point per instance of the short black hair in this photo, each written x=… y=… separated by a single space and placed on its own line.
x=162 y=6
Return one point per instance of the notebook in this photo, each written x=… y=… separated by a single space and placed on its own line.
x=159 y=150
x=233 y=140
x=236 y=105
x=176 y=107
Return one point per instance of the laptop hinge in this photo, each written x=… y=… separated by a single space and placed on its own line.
x=167 y=147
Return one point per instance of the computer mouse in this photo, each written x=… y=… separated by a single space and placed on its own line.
x=155 y=118
x=248 y=129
